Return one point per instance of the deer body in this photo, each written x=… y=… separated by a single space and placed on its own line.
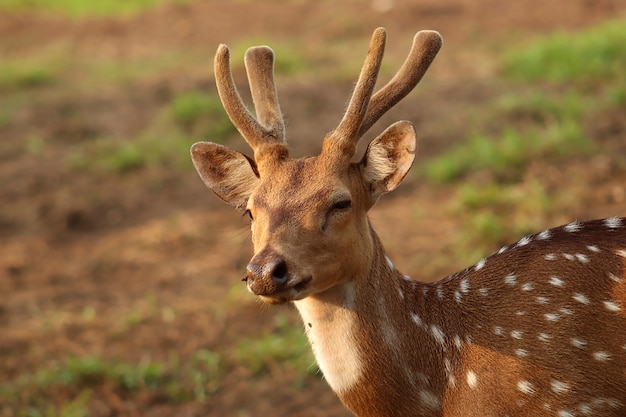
x=536 y=329
x=517 y=334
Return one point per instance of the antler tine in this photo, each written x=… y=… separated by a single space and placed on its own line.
x=425 y=46
x=346 y=134
x=260 y=68
x=269 y=129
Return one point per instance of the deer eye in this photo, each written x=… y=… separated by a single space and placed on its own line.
x=341 y=205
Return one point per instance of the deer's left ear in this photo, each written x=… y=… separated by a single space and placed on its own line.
x=389 y=157
x=231 y=175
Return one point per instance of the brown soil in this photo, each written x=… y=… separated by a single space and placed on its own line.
x=146 y=242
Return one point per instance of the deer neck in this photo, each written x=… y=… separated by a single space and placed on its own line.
x=364 y=325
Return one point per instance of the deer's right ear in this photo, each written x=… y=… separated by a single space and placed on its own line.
x=231 y=175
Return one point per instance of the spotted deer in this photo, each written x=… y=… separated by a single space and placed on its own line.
x=535 y=329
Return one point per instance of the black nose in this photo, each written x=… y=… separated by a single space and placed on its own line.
x=278 y=271
x=267 y=273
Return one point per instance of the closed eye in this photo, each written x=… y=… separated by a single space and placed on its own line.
x=342 y=205
x=249 y=214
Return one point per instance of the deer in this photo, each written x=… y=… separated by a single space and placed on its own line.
x=537 y=328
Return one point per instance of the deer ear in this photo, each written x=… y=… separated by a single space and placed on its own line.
x=231 y=175
x=389 y=157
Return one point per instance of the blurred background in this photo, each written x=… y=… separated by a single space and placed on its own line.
x=120 y=290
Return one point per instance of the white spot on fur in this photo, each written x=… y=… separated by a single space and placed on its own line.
x=556 y=281
x=524 y=241
x=430 y=400
x=542 y=300
x=593 y=248
x=517 y=334
x=529 y=286
x=566 y=311
x=438 y=334
x=565 y=413
x=613 y=222
x=581 y=298
x=545 y=235
x=552 y=317
x=544 y=337
x=498 y=330
x=615 y=278
x=522 y=353
x=525 y=387
x=503 y=249
x=440 y=292
x=559 y=387
x=389 y=263
x=582 y=258
x=549 y=257
x=602 y=356
x=585 y=409
x=401 y=293
x=520 y=313
x=510 y=279
x=612 y=306
x=569 y=256
x=417 y=319
x=458 y=297
x=472 y=381
x=448 y=366
x=465 y=286
x=578 y=342
x=574 y=226
x=484 y=291
x=480 y=265
x=457 y=341
x=621 y=253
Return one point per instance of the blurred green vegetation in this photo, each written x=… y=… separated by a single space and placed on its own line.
x=586 y=70
x=590 y=55
x=284 y=346
x=81 y=9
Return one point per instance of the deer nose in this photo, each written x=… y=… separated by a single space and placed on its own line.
x=267 y=274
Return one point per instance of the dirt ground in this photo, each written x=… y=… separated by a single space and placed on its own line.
x=154 y=241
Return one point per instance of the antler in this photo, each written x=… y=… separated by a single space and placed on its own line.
x=364 y=109
x=268 y=129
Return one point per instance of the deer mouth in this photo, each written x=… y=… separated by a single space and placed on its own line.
x=292 y=291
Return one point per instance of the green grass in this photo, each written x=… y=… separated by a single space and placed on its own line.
x=80 y=9
x=188 y=118
x=587 y=71
x=37 y=393
x=506 y=155
x=284 y=347
x=29 y=73
x=201 y=115
x=597 y=53
x=497 y=214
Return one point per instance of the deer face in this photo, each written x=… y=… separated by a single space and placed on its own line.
x=308 y=216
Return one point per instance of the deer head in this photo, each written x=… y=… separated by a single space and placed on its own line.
x=304 y=212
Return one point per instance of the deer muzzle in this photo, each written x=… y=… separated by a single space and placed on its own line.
x=267 y=274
